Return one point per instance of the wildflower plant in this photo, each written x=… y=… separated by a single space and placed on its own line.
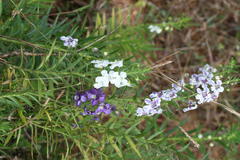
x=51 y=94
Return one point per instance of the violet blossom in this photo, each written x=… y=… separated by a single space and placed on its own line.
x=96 y=97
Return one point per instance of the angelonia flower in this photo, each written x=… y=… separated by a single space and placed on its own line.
x=153 y=103
x=96 y=98
x=69 y=41
x=119 y=79
x=155 y=29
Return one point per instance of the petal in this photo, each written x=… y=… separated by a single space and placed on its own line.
x=97 y=85
x=63 y=38
x=148 y=101
x=104 y=72
x=123 y=74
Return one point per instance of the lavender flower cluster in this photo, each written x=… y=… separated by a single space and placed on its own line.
x=153 y=103
x=96 y=97
x=207 y=86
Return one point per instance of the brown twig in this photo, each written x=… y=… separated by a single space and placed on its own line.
x=15 y=53
x=190 y=138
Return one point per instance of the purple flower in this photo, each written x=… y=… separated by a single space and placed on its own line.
x=88 y=112
x=105 y=108
x=96 y=96
x=217 y=87
x=154 y=103
x=203 y=95
x=80 y=97
x=78 y=103
x=69 y=41
x=168 y=94
x=179 y=86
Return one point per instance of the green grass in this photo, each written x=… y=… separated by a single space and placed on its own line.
x=36 y=93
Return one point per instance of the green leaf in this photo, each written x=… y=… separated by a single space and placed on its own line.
x=8 y=138
x=1 y=8
x=133 y=146
x=115 y=146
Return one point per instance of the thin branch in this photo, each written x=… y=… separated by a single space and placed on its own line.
x=189 y=137
x=15 y=53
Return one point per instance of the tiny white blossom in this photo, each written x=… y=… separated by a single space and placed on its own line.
x=200 y=136
x=105 y=53
x=95 y=49
x=102 y=81
x=115 y=78
x=140 y=112
x=211 y=144
x=100 y=63
x=156 y=29
x=121 y=80
x=116 y=64
x=69 y=41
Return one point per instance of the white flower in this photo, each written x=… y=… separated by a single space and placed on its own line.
x=95 y=49
x=102 y=81
x=100 y=63
x=105 y=63
x=69 y=41
x=200 y=136
x=159 y=111
x=115 y=78
x=140 y=112
x=156 y=29
x=211 y=144
x=116 y=64
x=121 y=80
